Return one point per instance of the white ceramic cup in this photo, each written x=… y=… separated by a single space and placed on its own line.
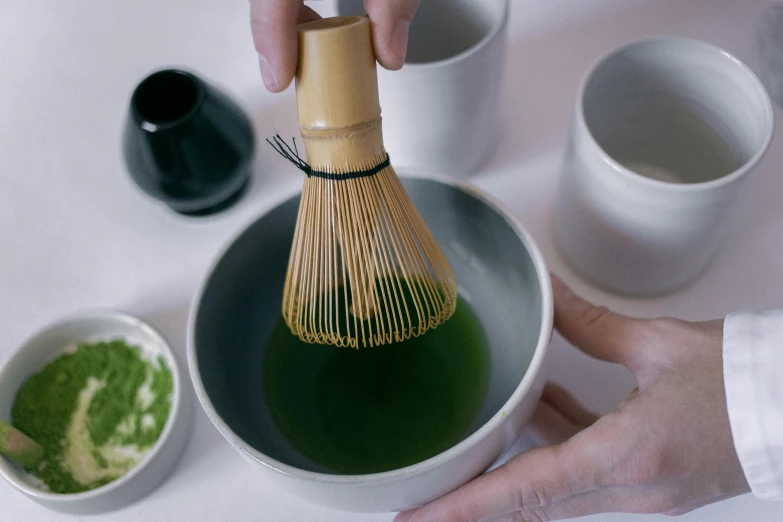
x=440 y=110
x=665 y=133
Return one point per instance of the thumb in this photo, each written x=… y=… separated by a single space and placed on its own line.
x=529 y=481
x=596 y=330
x=273 y=25
x=391 y=20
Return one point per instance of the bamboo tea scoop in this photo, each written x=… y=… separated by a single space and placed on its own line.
x=364 y=268
x=19 y=447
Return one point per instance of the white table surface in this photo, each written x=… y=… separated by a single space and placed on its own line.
x=75 y=233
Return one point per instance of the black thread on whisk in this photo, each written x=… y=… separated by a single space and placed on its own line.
x=292 y=155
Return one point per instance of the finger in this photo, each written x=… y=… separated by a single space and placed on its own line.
x=593 y=502
x=549 y=426
x=404 y=516
x=273 y=23
x=573 y=507
x=620 y=499
x=596 y=330
x=566 y=404
x=306 y=14
x=391 y=20
x=532 y=479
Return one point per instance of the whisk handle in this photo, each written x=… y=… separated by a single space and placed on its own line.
x=336 y=79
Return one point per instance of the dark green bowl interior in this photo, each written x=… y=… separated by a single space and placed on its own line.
x=241 y=303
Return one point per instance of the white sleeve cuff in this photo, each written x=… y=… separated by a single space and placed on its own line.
x=753 y=377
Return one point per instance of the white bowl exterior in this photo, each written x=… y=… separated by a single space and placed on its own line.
x=635 y=235
x=443 y=116
x=409 y=491
x=94 y=326
x=418 y=484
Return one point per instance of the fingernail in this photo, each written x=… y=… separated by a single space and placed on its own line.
x=267 y=73
x=399 y=40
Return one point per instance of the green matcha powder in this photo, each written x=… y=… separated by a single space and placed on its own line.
x=96 y=412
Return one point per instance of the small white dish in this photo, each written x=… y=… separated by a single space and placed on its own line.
x=43 y=347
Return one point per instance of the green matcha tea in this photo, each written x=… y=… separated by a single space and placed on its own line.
x=96 y=412
x=377 y=409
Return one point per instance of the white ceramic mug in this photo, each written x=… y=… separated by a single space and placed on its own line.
x=440 y=110
x=665 y=133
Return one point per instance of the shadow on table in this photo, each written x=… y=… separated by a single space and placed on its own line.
x=205 y=441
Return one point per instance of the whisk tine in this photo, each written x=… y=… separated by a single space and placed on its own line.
x=363 y=272
x=364 y=269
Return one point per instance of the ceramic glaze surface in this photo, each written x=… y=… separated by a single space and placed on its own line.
x=443 y=29
x=186 y=143
x=440 y=112
x=500 y=274
x=664 y=135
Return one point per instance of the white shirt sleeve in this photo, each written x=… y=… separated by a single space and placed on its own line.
x=753 y=377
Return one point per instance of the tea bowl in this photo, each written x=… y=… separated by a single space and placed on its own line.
x=500 y=272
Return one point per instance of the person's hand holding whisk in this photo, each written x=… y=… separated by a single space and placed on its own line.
x=274 y=22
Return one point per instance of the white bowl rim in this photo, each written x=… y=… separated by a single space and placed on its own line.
x=176 y=405
x=496 y=29
x=693 y=43
x=534 y=368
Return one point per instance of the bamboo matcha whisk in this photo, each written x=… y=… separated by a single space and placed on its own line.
x=364 y=268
